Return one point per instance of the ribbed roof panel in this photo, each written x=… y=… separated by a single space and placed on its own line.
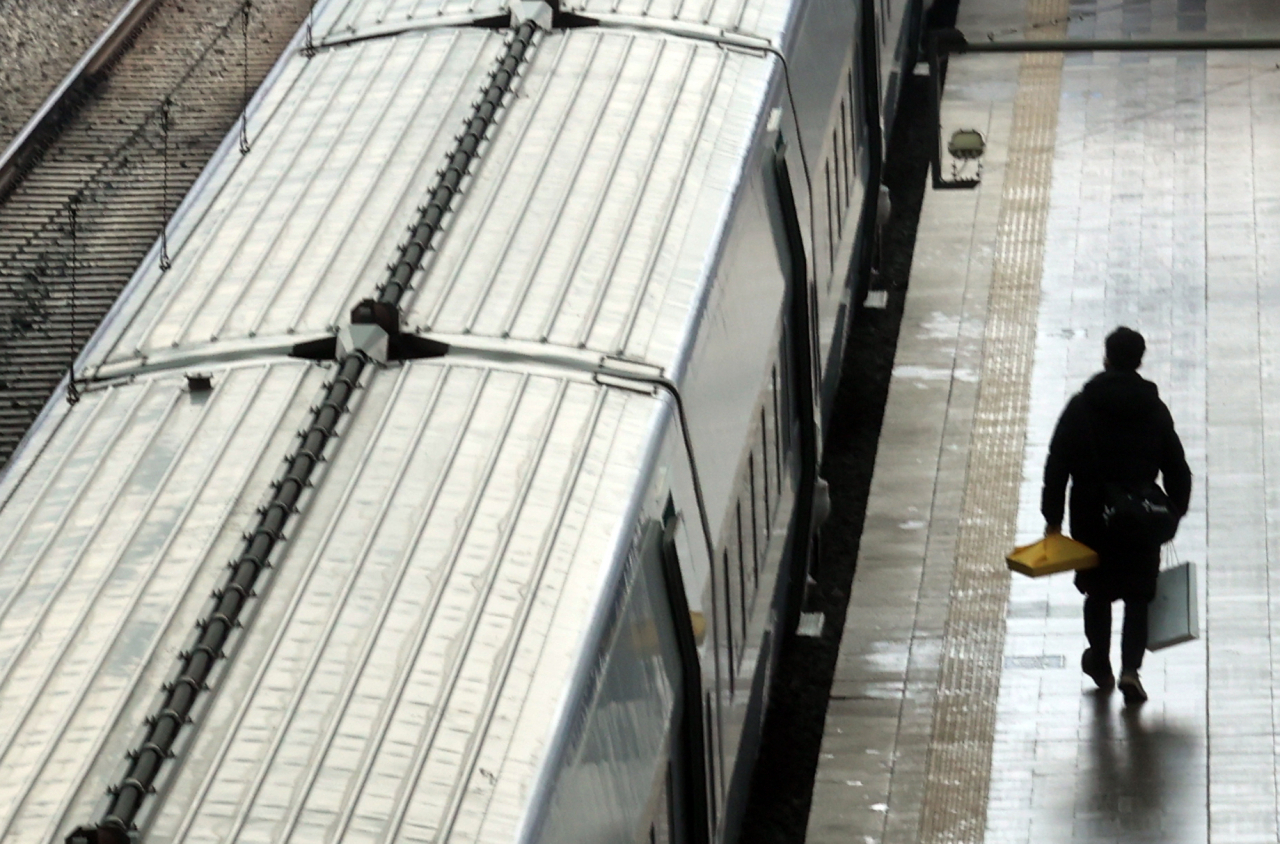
x=758 y=18
x=446 y=568
x=400 y=671
x=112 y=538
x=361 y=18
x=285 y=239
x=596 y=214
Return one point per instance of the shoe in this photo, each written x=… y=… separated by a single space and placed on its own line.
x=1131 y=687
x=1100 y=674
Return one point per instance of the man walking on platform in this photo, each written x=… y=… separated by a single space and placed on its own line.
x=1112 y=439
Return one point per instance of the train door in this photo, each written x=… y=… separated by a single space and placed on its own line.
x=869 y=52
x=801 y=349
x=897 y=25
x=697 y=757
x=879 y=12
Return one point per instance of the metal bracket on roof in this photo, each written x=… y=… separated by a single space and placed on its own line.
x=510 y=19
x=547 y=15
x=632 y=375
x=374 y=332
x=538 y=11
x=372 y=341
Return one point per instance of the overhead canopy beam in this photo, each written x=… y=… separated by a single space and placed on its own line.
x=946 y=42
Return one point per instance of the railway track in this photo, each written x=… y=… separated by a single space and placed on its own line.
x=79 y=222
x=43 y=40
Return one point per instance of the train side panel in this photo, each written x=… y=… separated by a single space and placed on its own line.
x=898 y=28
x=612 y=767
x=826 y=64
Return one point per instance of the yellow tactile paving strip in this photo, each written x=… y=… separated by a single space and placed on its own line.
x=958 y=769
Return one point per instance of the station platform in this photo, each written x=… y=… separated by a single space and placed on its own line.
x=1138 y=189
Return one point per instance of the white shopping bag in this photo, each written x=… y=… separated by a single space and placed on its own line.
x=1172 y=618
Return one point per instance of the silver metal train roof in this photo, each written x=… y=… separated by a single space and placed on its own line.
x=404 y=659
x=402 y=668
x=588 y=224
x=363 y=18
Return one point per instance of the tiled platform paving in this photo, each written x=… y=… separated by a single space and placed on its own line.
x=1139 y=189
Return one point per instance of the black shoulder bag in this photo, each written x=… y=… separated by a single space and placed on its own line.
x=1133 y=513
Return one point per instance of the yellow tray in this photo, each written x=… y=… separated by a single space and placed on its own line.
x=1050 y=555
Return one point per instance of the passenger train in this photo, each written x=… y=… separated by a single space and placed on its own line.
x=533 y=582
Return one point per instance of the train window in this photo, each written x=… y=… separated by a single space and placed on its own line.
x=831 y=241
x=777 y=434
x=837 y=142
x=846 y=141
x=742 y=577
x=663 y=816
x=715 y=768
x=783 y=411
x=755 y=522
x=764 y=467
x=729 y=644
x=855 y=135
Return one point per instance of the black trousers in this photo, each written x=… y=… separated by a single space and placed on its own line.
x=1133 y=636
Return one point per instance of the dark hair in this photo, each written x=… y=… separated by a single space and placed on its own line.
x=1125 y=348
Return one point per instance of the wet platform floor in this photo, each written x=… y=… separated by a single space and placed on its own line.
x=1139 y=189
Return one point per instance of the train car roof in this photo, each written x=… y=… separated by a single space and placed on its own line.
x=468 y=514
x=361 y=18
x=590 y=222
x=407 y=653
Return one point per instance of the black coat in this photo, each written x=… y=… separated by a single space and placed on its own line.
x=1114 y=430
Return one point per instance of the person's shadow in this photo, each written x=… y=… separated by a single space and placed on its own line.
x=1136 y=775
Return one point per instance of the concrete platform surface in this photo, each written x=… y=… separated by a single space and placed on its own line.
x=1140 y=189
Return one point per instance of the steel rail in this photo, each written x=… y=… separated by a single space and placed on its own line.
x=230 y=600
x=82 y=77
